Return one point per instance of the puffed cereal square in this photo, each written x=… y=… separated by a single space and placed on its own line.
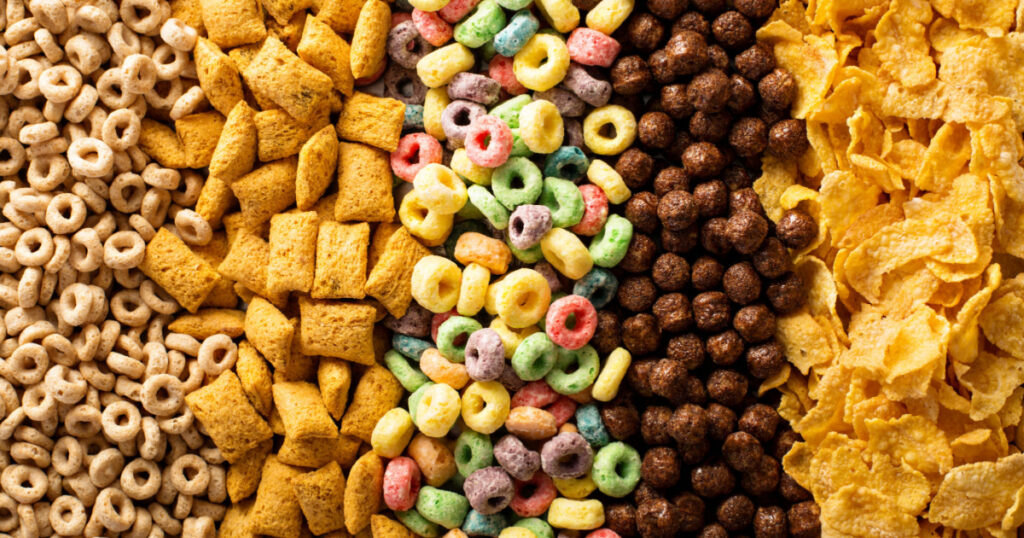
x=236 y=522
x=199 y=134
x=277 y=512
x=381 y=234
x=293 y=238
x=376 y=121
x=389 y=281
x=254 y=374
x=283 y=10
x=377 y=392
x=337 y=329
x=235 y=153
x=230 y=420
x=363 y=491
x=303 y=411
x=215 y=199
x=162 y=144
x=341 y=261
x=313 y=452
x=266 y=191
x=246 y=263
x=230 y=23
x=384 y=527
x=280 y=135
x=222 y=295
x=218 y=76
x=318 y=161
x=178 y=270
x=294 y=85
x=340 y=15
x=364 y=184
x=188 y=12
x=325 y=50
x=243 y=476
x=299 y=366
x=321 y=494
x=210 y=321
x=324 y=207
x=335 y=378
x=269 y=331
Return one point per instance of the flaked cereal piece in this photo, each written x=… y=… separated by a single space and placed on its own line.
x=376 y=121
x=340 y=15
x=341 y=251
x=235 y=153
x=189 y=12
x=376 y=393
x=389 y=280
x=218 y=76
x=243 y=476
x=363 y=491
x=384 y=527
x=162 y=144
x=199 y=134
x=364 y=185
x=335 y=378
x=299 y=366
x=370 y=38
x=277 y=512
x=228 y=417
x=247 y=262
x=269 y=331
x=208 y=322
x=321 y=495
x=303 y=411
x=254 y=374
x=294 y=85
x=280 y=135
x=293 y=238
x=267 y=190
x=337 y=329
x=318 y=160
x=215 y=199
x=381 y=234
x=179 y=271
x=325 y=50
x=230 y=23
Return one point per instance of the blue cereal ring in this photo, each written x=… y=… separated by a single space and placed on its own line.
x=599 y=286
x=477 y=524
x=413 y=118
x=567 y=162
x=588 y=421
x=409 y=346
x=513 y=36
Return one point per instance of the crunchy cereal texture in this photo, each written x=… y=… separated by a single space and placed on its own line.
x=178 y=270
x=215 y=199
x=381 y=234
x=325 y=50
x=337 y=329
x=341 y=251
x=335 y=378
x=324 y=207
x=269 y=331
x=230 y=23
x=243 y=476
x=283 y=10
x=266 y=191
x=340 y=15
x=162 y=144
x=318 y=160
x=222 y=295
x=189 y=12
x=254 y=374
x=376 y=121
x=299 y=366
x=210 y=321
x=321 y=495
x=280 y=135
x=218 y=76
x=364 y=184
x=303 y=411
x=199 y=134
x=235 y=153
x=246 y=262
x=385 y=527
x=294 y=85
x=377 y=392
x=363 y=491
x=389 y=281
x=293 y=238
x=236 y=521
x=277 y=512
x=230 y=420
x=370 y=38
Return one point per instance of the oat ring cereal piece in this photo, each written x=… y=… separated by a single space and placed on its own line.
x=194 y=229
x=28 y=364
x=217 y=354
x=24 y=483
x=114 y=509
x=141 y=479
x=121 y=421
x=144 y=16
x=190 y=474
x=90 y=157
x=66 y=385
x=121 y=129
x=66 y=212
x=34 y=247
x=138 y=73
x=124 y=250
x=67 y=516
x=162 y=395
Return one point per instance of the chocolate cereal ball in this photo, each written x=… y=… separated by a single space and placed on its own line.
x=715 y=530
x=689 y=424
x=674 y=102
x=777 y=89
x=742 y=94
x=732 y=30
x=639 y=377
x=630 y=75
x=709 y=127
x=727 y=387
x=640 y=254
x=711 y=311
x=764 y=359
x=642 y=211
x=786 y=294
x=790 y=490
x=783 y=442
x=687 y=52
x=704 y=159
x=741 y=283
x=772 y=259
x=755 y=9
x=680 y=242
x=688 y=349
x=709 y=91
x=671 y=179
x=667 y=9
x=725 y=348
x=621 y=418
x=755 y=62
x=637 y=293
x=749 y=137
x=744 y=198
x=669 y=379
x=657 y=518
x=656 y=130
x=796 y=229
x=721 y=421
x=662 y=69
x=742 y=451
x=736 y=513
x=640 y=334
x=787 y=139
x=607 y=336
x=717 y=57
x=763 y=479
x=644 y=31
x=677 y=210
x=746 y=231
x=712 y=480
x=695 y=390
x=661 y=467
x=692 y=21
x=652 y=426
x=636 y=168
x=621 y=518
x=714 y=236
x=804 y=520
x=755 y=323
x=707 y=273
x=712 y=198
x=670 y=272
x=674 y=312
x=770 y=522
x=691 y=509
x=761 y=421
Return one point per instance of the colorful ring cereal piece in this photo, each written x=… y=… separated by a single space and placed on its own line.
x=566 y=455
x=432 y=29
x=542 y=63
x=392 y=433
x=576 y=515
x=446 y=508
x=588 y=420
x=531 y=423
x=485 y=354
x=435 y=283
x=598 y=286
x=437 y=68
x=429 y=226
x=562 y=15
x=535 y=394
x=541 y=127
x=604 y=176
x=474 y=87
x=566 y=253
x=492 y=253
x=469 y=170
x=593 y=91
x=521 y=298
x=521 y=27
x=434 y=459
x=611 y=376
x=509 y=110
x=403 y=84
x=478 y=524
x=407 y=44
x=473 y=451
x=595 y=211
x=500 y=69
x=486 y=20
x=488 y=141
x=428 y=5
x=542 y=493
x=437 y=319
x=530 y=255
x=401 y=483
x=575 y=488
x=608 y=15
x=534 y=357
x=622 y=123
x=584 y=365
x=407 y=375
x=610 y=245
x=493 y=211
x=414 y=400
x=453 y=330
x=564 y=200
x=563 y=409
x=456 y=119
x=473 y=292
x=456 y=10
x=603 y=533
x=489 y=490
x=418 y=524
x=511 y=338
x=567 y=162
x=506 y=175
x=437 y=410
x=414 y=151
x=616 y=469
x=409 y=346
x=433 y=107
x=517 y=460
x=516 y=532
x=584 y=322
x=485 y=405
x=439 y=189
x=537 y=526
x=413 y=118
x=528 y=224
x=590 y=47
x=441 y=370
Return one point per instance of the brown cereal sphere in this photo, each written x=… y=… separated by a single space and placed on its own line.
x=621 y=518
x=755 y=9
x=667 y=9
x=783 y=442
x=656 y=130
x=736 y=512
x=763 y=479
x=636 y=168
x=711 y=311
x=732 y=30
x=607 y=335
x=718 y=58
x=620 y=418
x=654 y=425
x=688 y=349
x=755 y=323
x=707 y=273
x=772 y=259
x=725 y=348
x=695 y=390
x=642 y=211
x=755 y=62
x=630 y=75
x=677 y=210
x=710 y=127
x=742 y=94
x=714 y=236
x=640 y=334
x=657 y=518
x=714 y=530
x=790 y=490
x=787 y=139
x=709 y=91
x=692 y=21
x=746 y=231
x=674 y=102
x=712 y=480
x=671 y=179
x=712 y=198
x=727 y=387
x=636 y=104
x=763 y=360
x=640 y=254
x=704 y=159
x=674 y=312
x=787 y=293
x=741 y=283
x=749 y=137
x=744 y=198
x=687 y=52
x=689 y=424
x=680 y=242
x=670 y=272
x=692 y=511
x=737 y=177
x=770 y=116
x=770 y=522
x=721 y=421
x=637 y=293
x=683 y=140
x=639 y=377
x=742 y=451
x=663 y=70
x=694 y=454
x=644 y=31
x=796 y=229
x=761 y=421
x=661 y=467
x=777 y=89
x=644 y=493
x=669 y=380
x=804 y=520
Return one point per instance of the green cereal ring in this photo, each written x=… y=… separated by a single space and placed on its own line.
x=590 y=425
x=582 y=362
x=450 y=331
x=533 y=254
x=415 y=397
x=406 y=374
x=565 y=201
x=470 y=211
x=489 y=206
x=515 y=5
x=508 y=111
x=534 y=357
x=473 y=451
x=487 y=51
x=610 y=245
x=517 y=182
x=446 y=508
x=481 y=25
x=519 y=148
x=537 y=526
x=457 y=231
x=418 y=524
x=616 y=469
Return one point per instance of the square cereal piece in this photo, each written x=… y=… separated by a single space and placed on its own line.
x=199 y=134
x=348 y=450
x=321 y=495
x=277 y=512
x=300 y=367
x=341 y=261
x=236 y=522
x=218 y=76
x=292 y=252
x=188 y=12
x=215 y=199
x=385 y=527
x=325 y=50
x=289 y=33
x=235 y=223
x=337 y=329
x=389 y=281
x=324 y=207
x=340 y=15
x=276 y=424
x=210 y=321
x=335 y=378
x=364 y=184
x=269 y=331
x=381 y=234
x=303 y=411
x=312 y=453
x=244 y=293
x=243 y=477
x=370 y=38
x=376 y=393
x=282 y=11
x=162 y=144
x=254 y=374
x=376 y=121
x=294 y=85
x=279 y=134
x=178 y=270
x=318 y=160
x=230 y=420
x=230 y=23
x=222 y=295
x=266 y=191
x=363 y=491
x=214 y=251
x=247 y=262
x=235 y=153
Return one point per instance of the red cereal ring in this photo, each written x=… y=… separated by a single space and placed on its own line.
x=563 y=409
x=398 y=17
x=437 y=320
x=456 y=10
x=590 y=47
x=604 y=533
x=595 y=211
x=500 y=69
x=401 y=483
x=584 y=322
x=534 y=394
x=432 y=27
x=488 y=141
x=414 y=151
x=538 y=500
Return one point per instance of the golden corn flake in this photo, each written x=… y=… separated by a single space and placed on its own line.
x=860 y=511
x=977 y=495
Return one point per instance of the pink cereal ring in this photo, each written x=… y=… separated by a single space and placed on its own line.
x=604 y=533
x=437 y=320
x=563 y=409
x=590 y=47
x=538 y=501
x=534 y=394
x=556 y=322
x=432 y=27
x=595 y=211
x=414 y=151
x=500 y=69
x=398 y=17
x=401 y=483
x=456 y=10
x=488 y=141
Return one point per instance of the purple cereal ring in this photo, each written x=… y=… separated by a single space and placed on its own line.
x=550 y=274
x=515 y=458
x=573 y=132
x=485 y=355
x=593 y=91
x=528 y=224
x=415 y=322
x=403 y=84
x=455 y=120
x=510 y=379
x=406 y=46
x=489 y=490
x=474 y=87
x=566 y=455
x=568 y=105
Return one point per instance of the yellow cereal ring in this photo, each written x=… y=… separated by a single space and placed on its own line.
x=431 y=227
x=608 y=15
x=437 y=68
x=485 y=406
x=522 y=298
x=541 y=126
x=615 y=366
x=542 y=63
x=604 y=176
x=576 y=515
x=566 y=253
x=439 y=189
x=392 y=433
x=468 y=169
x=511 y=338
x=624 y=126
x=435 y=283
x=473 y=292
x=433 y=105
x=438 y=410
x=562 y=15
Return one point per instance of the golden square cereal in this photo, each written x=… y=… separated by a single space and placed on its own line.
x=381 y=234
x=318 y=160
x=179 y=271
x=340 y=15
x=370 y=38
x=299 y=367
x=335 y=378
x=199 y=134
x=277 y=512
x=385 y=527
x=321 y=493
x=269 y=331
x=230 y=420
x=236 y=522
x=215 y=199
x=242 y=56
x=349 y=448
x=208 y=322
x=215 y=250
x=376 y=393
x=376 y=121
x=282 y=11
x=279 y=134
x=303 y=411
x=235 y=223
x=290 y=32
x=222 y=295
x=324 y=207
x=267 y=190
x=247 y=262
x=243 y=477
x=312 y=453
x=363 y=491
x=341 y=261
x=294 y=85
x=230 y=23
x=188 y=12
x=276 y=424
x=218 y=76
x=325 y=50
x=389 y=280
x=162 y=144
x=337 y=329
x=235 y=153
x=244 y=293
x=364 y=184
x=254 y=374
x=292 y=252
